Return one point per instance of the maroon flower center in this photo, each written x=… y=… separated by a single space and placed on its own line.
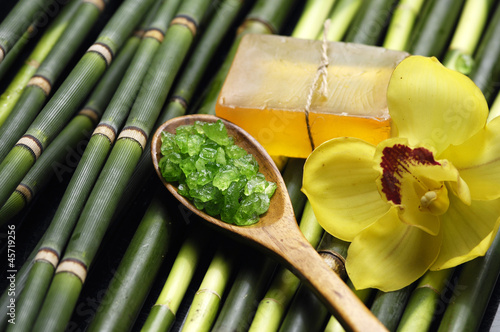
x=396 y=160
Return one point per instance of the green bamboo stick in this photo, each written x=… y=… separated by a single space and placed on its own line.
x=163 y=313
x=40 y=85
x=459 y=55
x=272 y=307
x=12 y=93
x=100 y=206
x=402 y=23
x=138 y=269
x=312 y=18
x=205 y=304
x=422 y=308
x=63 y=153
x=18 y=20
x=69 y=95
x=435 y=27
x=388 y=307
x=370 y=22
x=495 y=108
x=472 y=292
x=9 y=61
x=266 y=17
x=55 y=237
x=341 y=18
x=486 y=71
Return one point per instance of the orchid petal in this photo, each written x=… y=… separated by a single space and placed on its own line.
x=478 y=161
x=434 y=106
x=390 y=255
x=468 y=231
x=339 y=181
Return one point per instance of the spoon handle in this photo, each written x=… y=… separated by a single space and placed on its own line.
x=308 y=265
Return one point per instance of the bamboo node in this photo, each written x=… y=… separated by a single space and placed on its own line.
x=25 y=191
x=48 y=255
x=41 y=82
x=180 y=100
x=187 y=21
x=91 y=113
x=33 y=63
x=98 y=3
x=251 y=20
x=73 y=266
x=136 y=134
x=335 y=261
x=32 y=144
x=154 y=33
x=103 y=50
x=206 y=290
x=106 y=131
x=2 y=53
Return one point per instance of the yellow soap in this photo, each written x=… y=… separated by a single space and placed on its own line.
x=271 y=77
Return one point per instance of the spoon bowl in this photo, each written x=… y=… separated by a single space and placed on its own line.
x=277 y=232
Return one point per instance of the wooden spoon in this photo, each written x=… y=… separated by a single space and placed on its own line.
x=278 y=233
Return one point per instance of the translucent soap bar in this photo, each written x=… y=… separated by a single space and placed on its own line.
x=267 y=88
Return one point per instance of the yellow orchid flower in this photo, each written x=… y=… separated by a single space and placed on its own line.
x=427 y=199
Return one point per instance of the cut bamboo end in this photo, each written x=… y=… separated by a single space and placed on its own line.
x=100 y=4
x=103 y=50
x=135 y=134
x=106 y=131
x=32 y=144
x=186 y=21
x=48 y=255
x=73 y=266
x=26 y=192
x=155 y=34
x=41 y=82
x=90 y=113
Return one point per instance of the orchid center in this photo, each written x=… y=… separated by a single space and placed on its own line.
x=413 y=180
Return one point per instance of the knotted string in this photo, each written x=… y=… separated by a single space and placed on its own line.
x=321 y=73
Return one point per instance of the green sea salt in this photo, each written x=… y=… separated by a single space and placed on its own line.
x=218 y=176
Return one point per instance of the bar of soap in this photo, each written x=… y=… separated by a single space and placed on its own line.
x=267 y=87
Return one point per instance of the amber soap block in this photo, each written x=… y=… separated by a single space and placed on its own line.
x=272 y=78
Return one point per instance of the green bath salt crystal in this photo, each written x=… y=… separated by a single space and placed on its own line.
x=219 y=177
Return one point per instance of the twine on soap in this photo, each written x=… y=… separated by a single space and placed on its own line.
x=321 y=73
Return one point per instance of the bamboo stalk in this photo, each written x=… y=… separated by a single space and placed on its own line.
x=69 y=95
x=55 y=237
x=312 y=18
x=370 y=22
x=266 y=17
x=495 y=108
x=388 y=307
x=435 y=27
x=486 y=72
x=138 y=269
x=421 y=311
x=459 y=55
x=40 y=85
x=12 y=93
x=205 y=304
x=472 y=292
x=340 y=19
x=63 y=154
x=402 y=23
x=18 y=20
x=100 y=206
x=163 y=312
x=9 y=61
